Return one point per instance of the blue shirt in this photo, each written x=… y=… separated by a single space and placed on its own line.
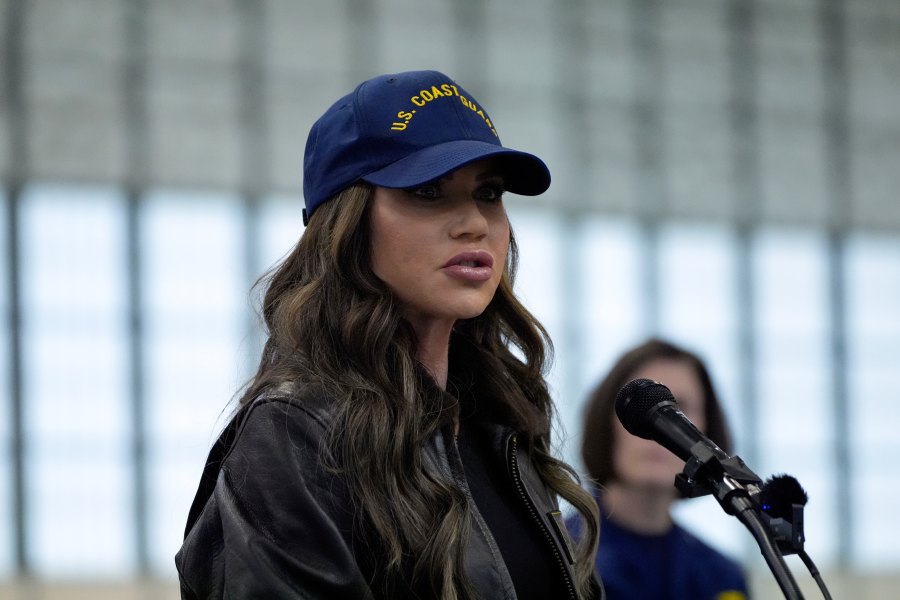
x=673 y=566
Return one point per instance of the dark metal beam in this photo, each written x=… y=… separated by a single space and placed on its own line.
x=833 y=41
x=255 y=155
x=649 y=169
x=134 y=82
x=13 y=45
x=745 y=159
x=572 y=56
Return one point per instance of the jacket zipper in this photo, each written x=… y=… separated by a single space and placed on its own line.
x=529 y=503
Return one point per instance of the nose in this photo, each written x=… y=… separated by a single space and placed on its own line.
x=469 y=220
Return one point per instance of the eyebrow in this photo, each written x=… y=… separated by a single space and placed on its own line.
x=492 y=174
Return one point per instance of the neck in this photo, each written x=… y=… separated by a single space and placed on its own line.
x=433 y=353
x=640 y=509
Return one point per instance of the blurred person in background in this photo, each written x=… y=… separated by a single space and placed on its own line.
x=395 y=440
x=643 y=552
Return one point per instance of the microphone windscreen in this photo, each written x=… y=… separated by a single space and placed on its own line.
x=636 y=400
x=779 y=494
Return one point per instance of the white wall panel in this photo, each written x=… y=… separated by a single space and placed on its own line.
x=410 y=38
x=4 y=100
x=193 y=125
x=699 y=162
x=312 y=36
x=521 y=61
x=612 y=176
x=874 y=98
x=523 y=56
x=87 y=29
x=875 y=174
x=608 y=70
x=200 y=31
x=76 y=128
x=794 y=177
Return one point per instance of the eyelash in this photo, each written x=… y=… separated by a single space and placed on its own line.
x=496 y=190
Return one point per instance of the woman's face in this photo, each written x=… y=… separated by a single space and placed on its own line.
x=644 y=463
x=441 y=247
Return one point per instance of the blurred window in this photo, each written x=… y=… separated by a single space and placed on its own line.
x=195 y=301
x=583 y=278
x=76 y=381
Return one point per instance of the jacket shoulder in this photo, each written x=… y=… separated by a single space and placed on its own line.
x=289 y=411
x=299 y=398
x=270 y=519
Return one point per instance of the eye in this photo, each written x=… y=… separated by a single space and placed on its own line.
x=490 y=192
x=428 y=191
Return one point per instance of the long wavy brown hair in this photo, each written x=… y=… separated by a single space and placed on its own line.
x=332 y=321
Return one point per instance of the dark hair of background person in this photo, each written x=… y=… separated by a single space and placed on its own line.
x=333 y=322
x=597 y=438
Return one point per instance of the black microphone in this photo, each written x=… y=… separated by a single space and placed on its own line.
x=772 y=512
x=648 y=410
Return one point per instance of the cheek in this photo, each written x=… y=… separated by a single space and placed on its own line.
x=502 y=227
x=623 y=446
x=388 y=242
x=504 y=252
x=378 y=248
x=502 y=238
x=390 y=260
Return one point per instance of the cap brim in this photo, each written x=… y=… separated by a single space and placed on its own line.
x=523 y=173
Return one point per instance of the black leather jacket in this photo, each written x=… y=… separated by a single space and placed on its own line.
x=269 y=522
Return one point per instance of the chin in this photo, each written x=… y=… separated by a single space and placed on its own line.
x=470 y=310
x=653 y=482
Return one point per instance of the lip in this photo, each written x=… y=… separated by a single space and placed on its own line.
x=481 y=270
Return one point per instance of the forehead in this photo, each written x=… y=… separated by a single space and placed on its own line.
x=679 y=375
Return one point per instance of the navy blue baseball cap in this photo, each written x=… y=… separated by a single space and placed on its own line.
x=406 y=129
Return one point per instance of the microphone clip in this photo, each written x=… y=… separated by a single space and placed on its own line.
x=710 y=472
x=788 y=533
x=738 y=488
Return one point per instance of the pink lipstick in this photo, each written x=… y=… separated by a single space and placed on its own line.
x=474 y=265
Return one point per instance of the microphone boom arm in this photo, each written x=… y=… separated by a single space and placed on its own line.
x=706 y=465
x=735 y=486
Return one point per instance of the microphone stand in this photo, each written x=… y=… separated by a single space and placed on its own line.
x=735 y=487
x=788 y=535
